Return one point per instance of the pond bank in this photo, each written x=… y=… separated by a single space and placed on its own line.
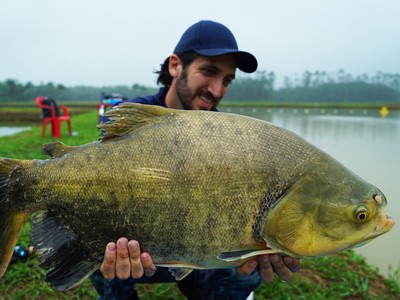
x=30 y=116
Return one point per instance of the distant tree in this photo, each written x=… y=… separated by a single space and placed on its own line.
x=258 y=87
x=306 y=80
x=317 y=86
x=12 y=89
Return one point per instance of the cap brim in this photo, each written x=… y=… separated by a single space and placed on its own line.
x=246 y=62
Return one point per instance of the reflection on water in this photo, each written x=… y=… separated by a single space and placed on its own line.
x=6 y=130
x=364 y=142
x=336 y=123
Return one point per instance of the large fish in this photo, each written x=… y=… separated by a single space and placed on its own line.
x=196 y=189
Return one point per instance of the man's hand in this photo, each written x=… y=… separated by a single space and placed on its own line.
x=283 y=266
x=124 y=260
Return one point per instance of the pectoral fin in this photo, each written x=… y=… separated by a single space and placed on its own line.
x=243 y=254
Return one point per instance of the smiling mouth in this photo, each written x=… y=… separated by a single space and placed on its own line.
x=207 y=100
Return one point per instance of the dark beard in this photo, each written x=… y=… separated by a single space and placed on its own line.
x=184 y=95
x=182 y=92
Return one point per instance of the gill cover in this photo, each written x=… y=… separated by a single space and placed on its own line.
x=318 y=216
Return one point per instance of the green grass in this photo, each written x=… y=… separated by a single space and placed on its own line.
x=343 y=276
x=22 y=106
x=20 y=280
x=28 y=144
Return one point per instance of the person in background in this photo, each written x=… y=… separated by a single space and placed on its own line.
x=195 y=77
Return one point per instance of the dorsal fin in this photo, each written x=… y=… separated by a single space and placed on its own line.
x=129 y=116
x=56 y=149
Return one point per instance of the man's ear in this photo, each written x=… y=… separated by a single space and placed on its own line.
x=175 y=66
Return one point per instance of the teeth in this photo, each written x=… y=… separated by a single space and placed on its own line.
x=206 y=100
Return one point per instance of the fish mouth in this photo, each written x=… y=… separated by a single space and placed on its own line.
x=385 y=224
x=387 y=221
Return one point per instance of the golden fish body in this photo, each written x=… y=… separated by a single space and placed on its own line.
x=196 y=189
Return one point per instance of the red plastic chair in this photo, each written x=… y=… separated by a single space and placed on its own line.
x=51 y=115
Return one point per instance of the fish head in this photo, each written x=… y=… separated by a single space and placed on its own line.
x=317 y=216
x=380 y=222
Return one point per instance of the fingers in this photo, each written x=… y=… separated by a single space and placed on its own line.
x=279 y=267
x=107 y=268
x=247 y=268
x=135 y=262
x=265 y=268
x=141 y=263
x=292 y=263
x=276 y=264
x=269 y=265
x=123 y=265
x=148 y=265
x=123 y=260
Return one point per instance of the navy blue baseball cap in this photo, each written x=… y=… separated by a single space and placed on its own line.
x=210 y=38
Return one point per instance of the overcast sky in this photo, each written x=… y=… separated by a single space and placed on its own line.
x=103 y=43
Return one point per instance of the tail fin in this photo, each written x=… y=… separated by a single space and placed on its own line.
x=11 y=219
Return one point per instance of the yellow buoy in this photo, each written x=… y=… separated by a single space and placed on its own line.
x=384 y=111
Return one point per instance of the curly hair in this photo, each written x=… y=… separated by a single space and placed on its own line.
x=164 y=77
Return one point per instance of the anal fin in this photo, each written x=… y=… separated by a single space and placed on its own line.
x=72 y=271
x=179 y=273
x=59 y=250
x=180 y=270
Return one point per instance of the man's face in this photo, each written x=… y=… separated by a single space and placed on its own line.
x=203 y=83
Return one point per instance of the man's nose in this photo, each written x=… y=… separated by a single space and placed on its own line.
x=217 y=89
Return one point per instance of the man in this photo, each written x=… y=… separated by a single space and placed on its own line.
x=196 y=76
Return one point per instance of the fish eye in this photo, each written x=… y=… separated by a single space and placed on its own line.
x=362 y=214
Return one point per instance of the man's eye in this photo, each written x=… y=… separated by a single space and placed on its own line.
x=228 y=82
x=208 y=72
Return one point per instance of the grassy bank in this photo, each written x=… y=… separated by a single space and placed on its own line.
x=224 y=103
x=342 y=276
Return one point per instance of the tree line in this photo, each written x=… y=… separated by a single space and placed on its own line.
x=339 y=87
x=319 y=87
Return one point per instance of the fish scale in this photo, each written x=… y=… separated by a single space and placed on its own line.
x=197 y=189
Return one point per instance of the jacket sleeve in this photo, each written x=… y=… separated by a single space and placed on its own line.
x=219 y=283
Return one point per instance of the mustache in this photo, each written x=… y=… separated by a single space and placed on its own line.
x=208 y=95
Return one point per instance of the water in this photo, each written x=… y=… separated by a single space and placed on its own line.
x=363 y=141
x=8 y=130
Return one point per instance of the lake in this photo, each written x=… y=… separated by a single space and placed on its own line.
x=363 y=141
x=10 y=130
